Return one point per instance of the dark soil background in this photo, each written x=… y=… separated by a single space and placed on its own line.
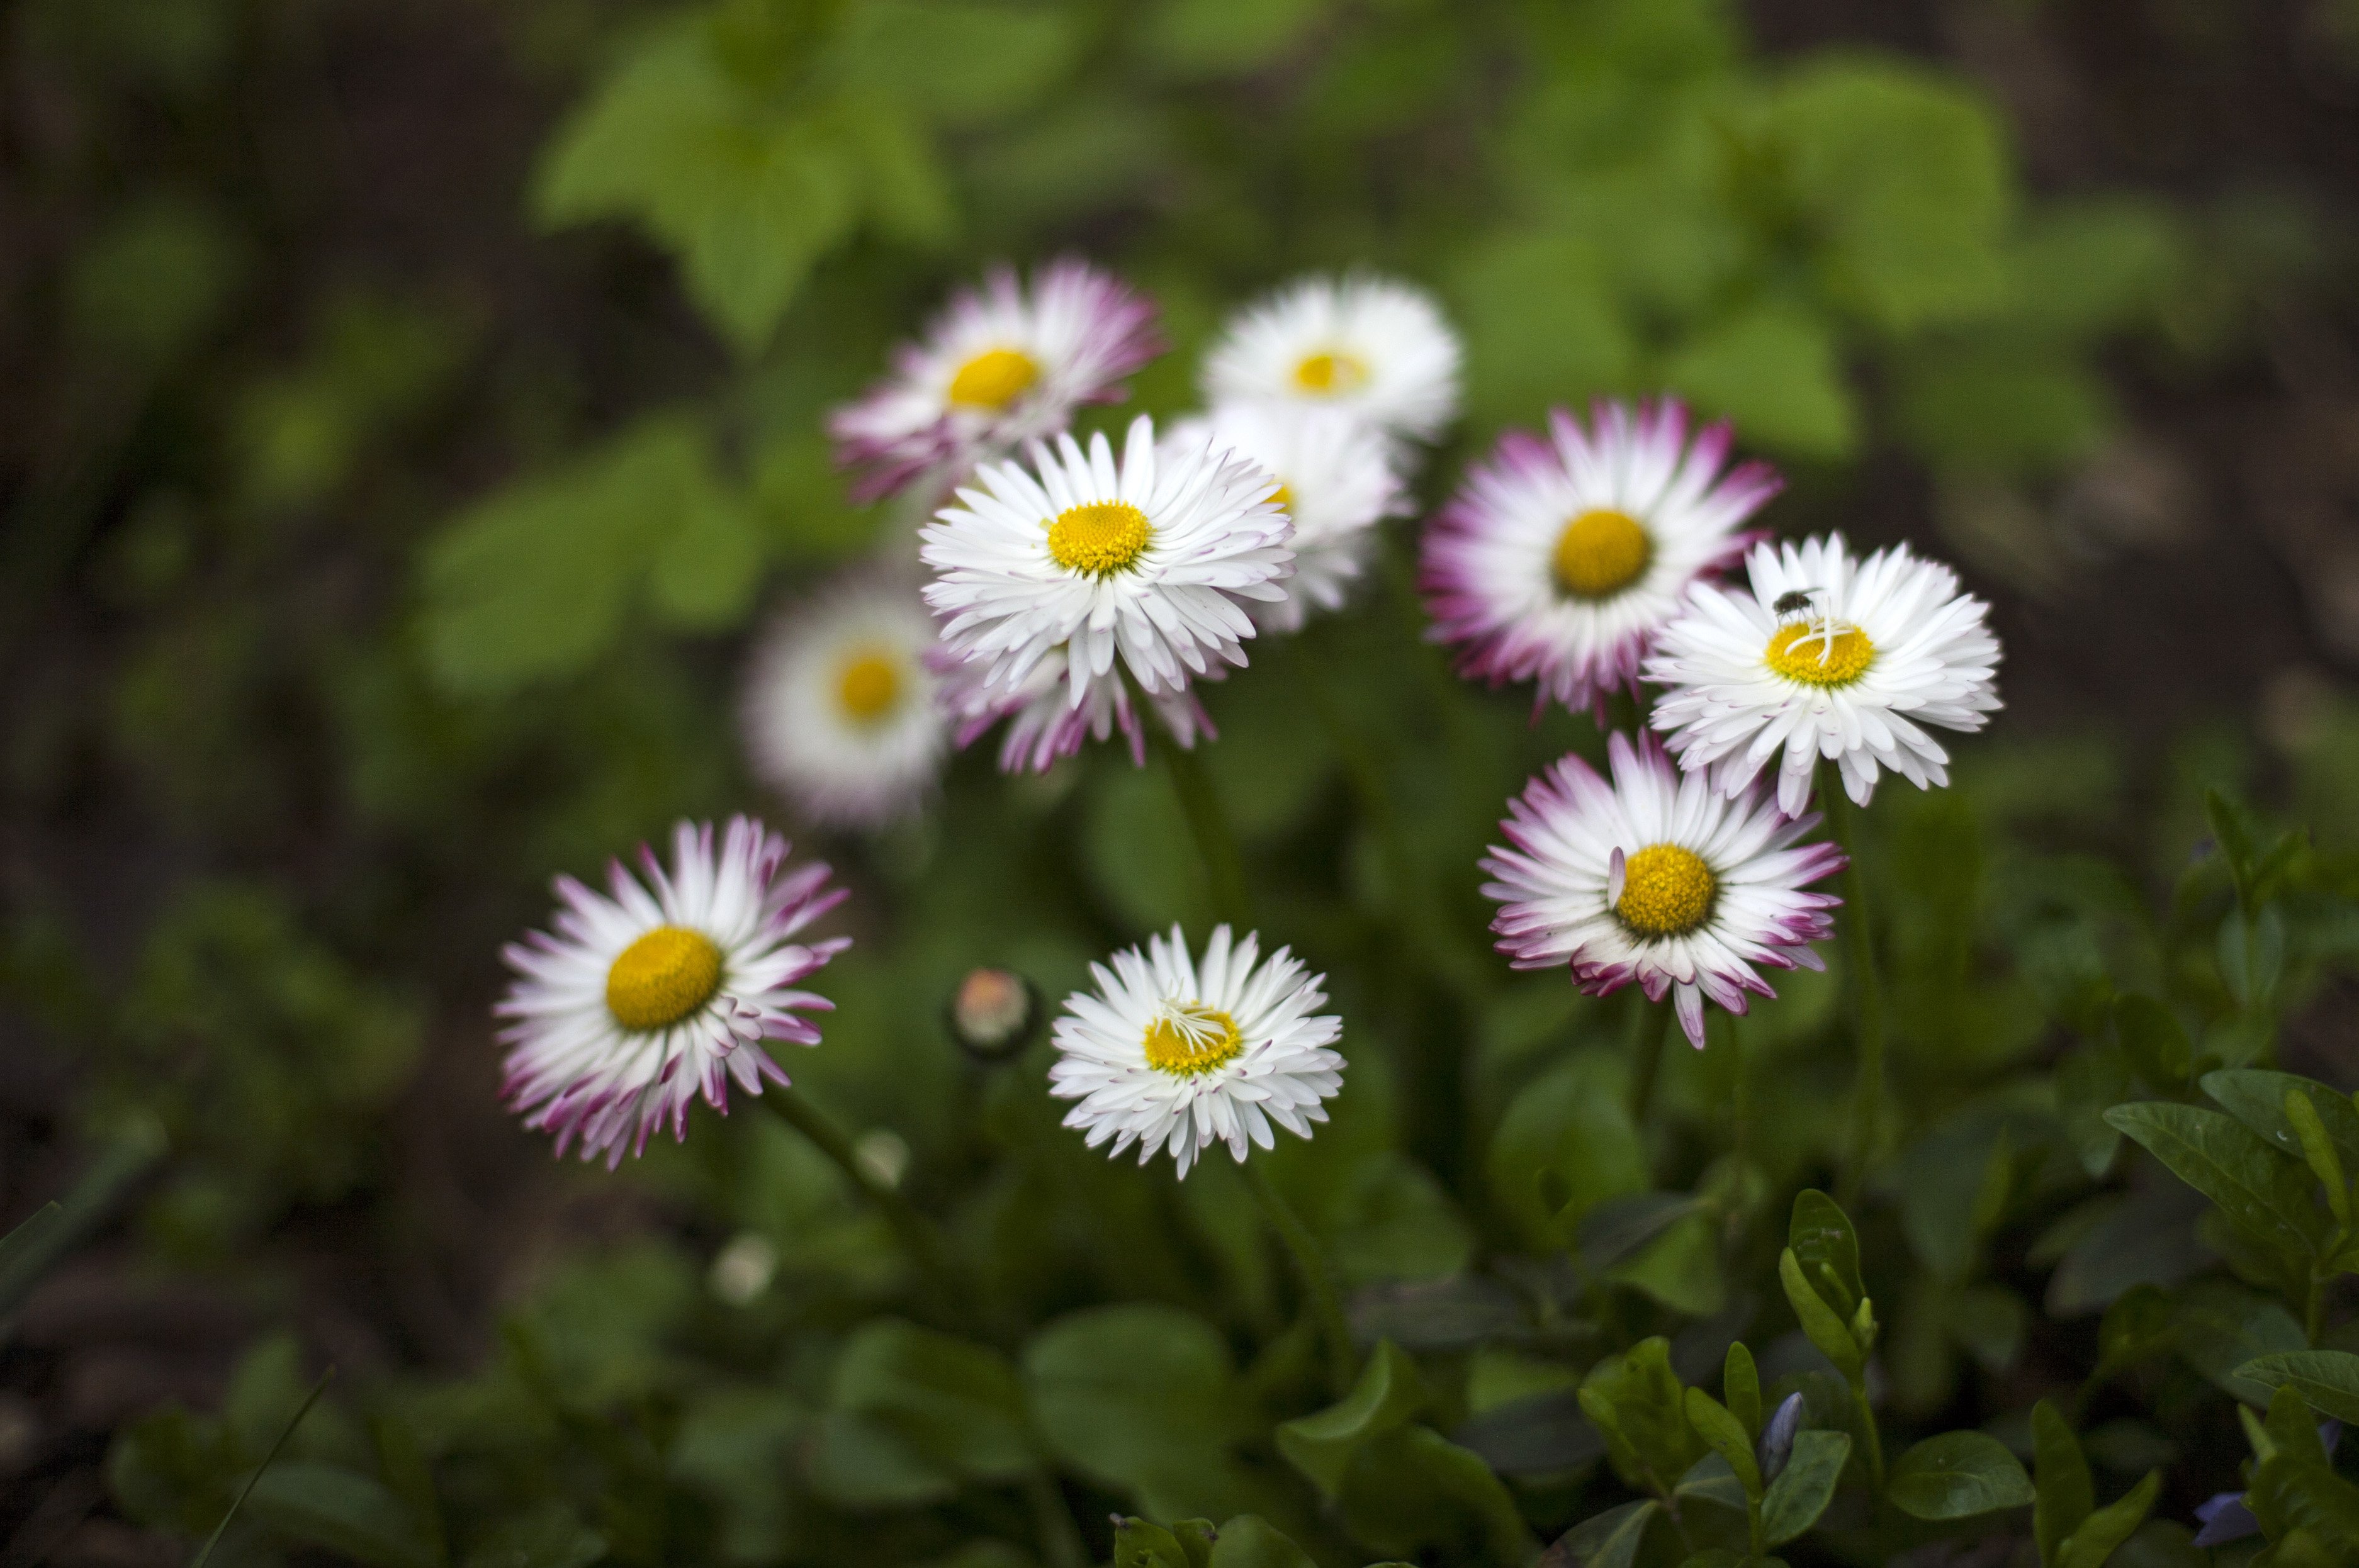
x=2205 y=569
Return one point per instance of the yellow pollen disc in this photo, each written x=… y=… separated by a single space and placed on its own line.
x=1666 y=890
x=1329 y=373
x=1282 y=499
x=1099 y=537
x=993 y=379
x=662 y=978
x=1601 y=553
x=868 y=687
x=1801 y=651
x=1192 y=1040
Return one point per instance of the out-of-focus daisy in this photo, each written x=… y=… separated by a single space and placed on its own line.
x=1370 y=346
x=1049 y=717
x=1155 y=556
x=1825 y=655
x=1335 y=478
x=839 y=710
x=1174 y=1056
x=1000 y=365
x=665 y=991
x=1656 y=879
x=1559 y=560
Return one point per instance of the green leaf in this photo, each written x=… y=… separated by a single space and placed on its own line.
x=1957 y=1475
x=1574 y=1123
x=2256 y=1096
x=1141 y=1397
x=1610 y=1540
x=956 y=1403
x=403 y=1465
x=1995 y=405
x=1410 y=1489
x=1227 y=37
x=2317 y=1153
x=1805 y=1486
x=2138 y=1325
x=962 y=61
x=1828 y=1332
x=1716 y=1426
x=548 y=1536
x=1775 y=370
x=2220 y=1327
x=2262 y=1191
x=1639 y=1405
x=1137 y=1544
x=1390 y=1392
x=346 y=1512
x=2107 y=1529
x=2151 y=1036
x=1740 y=1384
x=1249 y=1541
x=1610 y=1231
x=2060 y=1476
x=2327 y=1380
x=2252 y=954
x=1827 y=1247
x=2090 y=1082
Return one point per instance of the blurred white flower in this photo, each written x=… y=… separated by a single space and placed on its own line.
x=1369 y=346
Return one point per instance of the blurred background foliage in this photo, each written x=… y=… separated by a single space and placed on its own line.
x=412 y=407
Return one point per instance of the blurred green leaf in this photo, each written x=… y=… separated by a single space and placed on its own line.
x=1141 y=1397
x=1775 y=370
x=1957 y=1475
x=350 y=1514
x=1610 y=1540
x=1389 y=1393
x=1249 y=1541
x=547 y=1535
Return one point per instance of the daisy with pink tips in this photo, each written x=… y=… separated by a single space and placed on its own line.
x=1560 y=558
x=663 y=993
x=1654 y=878
x=1048 y=717
x=1000 y=365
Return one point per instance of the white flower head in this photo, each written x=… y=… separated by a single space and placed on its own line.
x=1153 y=558
x=1336 y=479
x=1655 y=877
x=1174 y=1056
x=1825 y=655
x=998 y=366
x=1559 y=560
x=840 y=709
x=1052 y=710
x=645 y=1001
x=1370 y=346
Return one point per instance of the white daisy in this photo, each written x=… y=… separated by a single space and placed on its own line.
x=1155 y=556
x=1370 y=346
x=839 y=709
x=644 y=1001
x=1825 y=656
x=1335 y=478
x=997 y=367
x=1560 y=560
x=1049 y=720
x=1172 y=1056
x=1655 y=877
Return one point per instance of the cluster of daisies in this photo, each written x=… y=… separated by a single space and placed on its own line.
x=1071 y=590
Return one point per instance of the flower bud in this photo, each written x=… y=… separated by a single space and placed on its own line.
x=993 y=1014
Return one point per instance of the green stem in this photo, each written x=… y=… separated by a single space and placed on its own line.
x=246 y=1491
x=1215 y=845
x=1874 y=1439
x=1317 y=1281
x=1060 y=1537
x=1866 y=996
x=913 y=1230
x=2314 y=1314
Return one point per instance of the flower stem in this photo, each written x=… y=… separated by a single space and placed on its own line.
x=1215 y=845
x=1875 y=1438
x=1317 y=1281
x=1866 y=996
x=1060 y=1537
x=913 y=1230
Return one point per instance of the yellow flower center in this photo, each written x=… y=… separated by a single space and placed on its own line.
x=1283 y=498
x=1191 y=1038
x=1099 y=537
x=1601 y=553
x=1801 y=651
x=1666 y=890
x=993 y=379
x=662 y=978
x=1330 y=372
x=868 y=686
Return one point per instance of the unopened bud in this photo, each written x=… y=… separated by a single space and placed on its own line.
x=993 y=1014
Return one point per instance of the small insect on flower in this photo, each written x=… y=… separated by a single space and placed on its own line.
x=665 y=991
x=1559 y=560
x=1877 y=650
x=1176 y=1056
x=1654 y=878
x=1376 y=349
x=840 y=711
x=998 y=367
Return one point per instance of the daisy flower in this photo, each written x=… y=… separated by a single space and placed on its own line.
x=1335 y=479
x=1048 y=719
x=1560 y=560
x=1155 y=556
x=1655 y=877
x=663 y=992
x=1370 y=346
x=1172 y=1056
x=839 y=710
x=1829 y=657
x=1000 y=365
